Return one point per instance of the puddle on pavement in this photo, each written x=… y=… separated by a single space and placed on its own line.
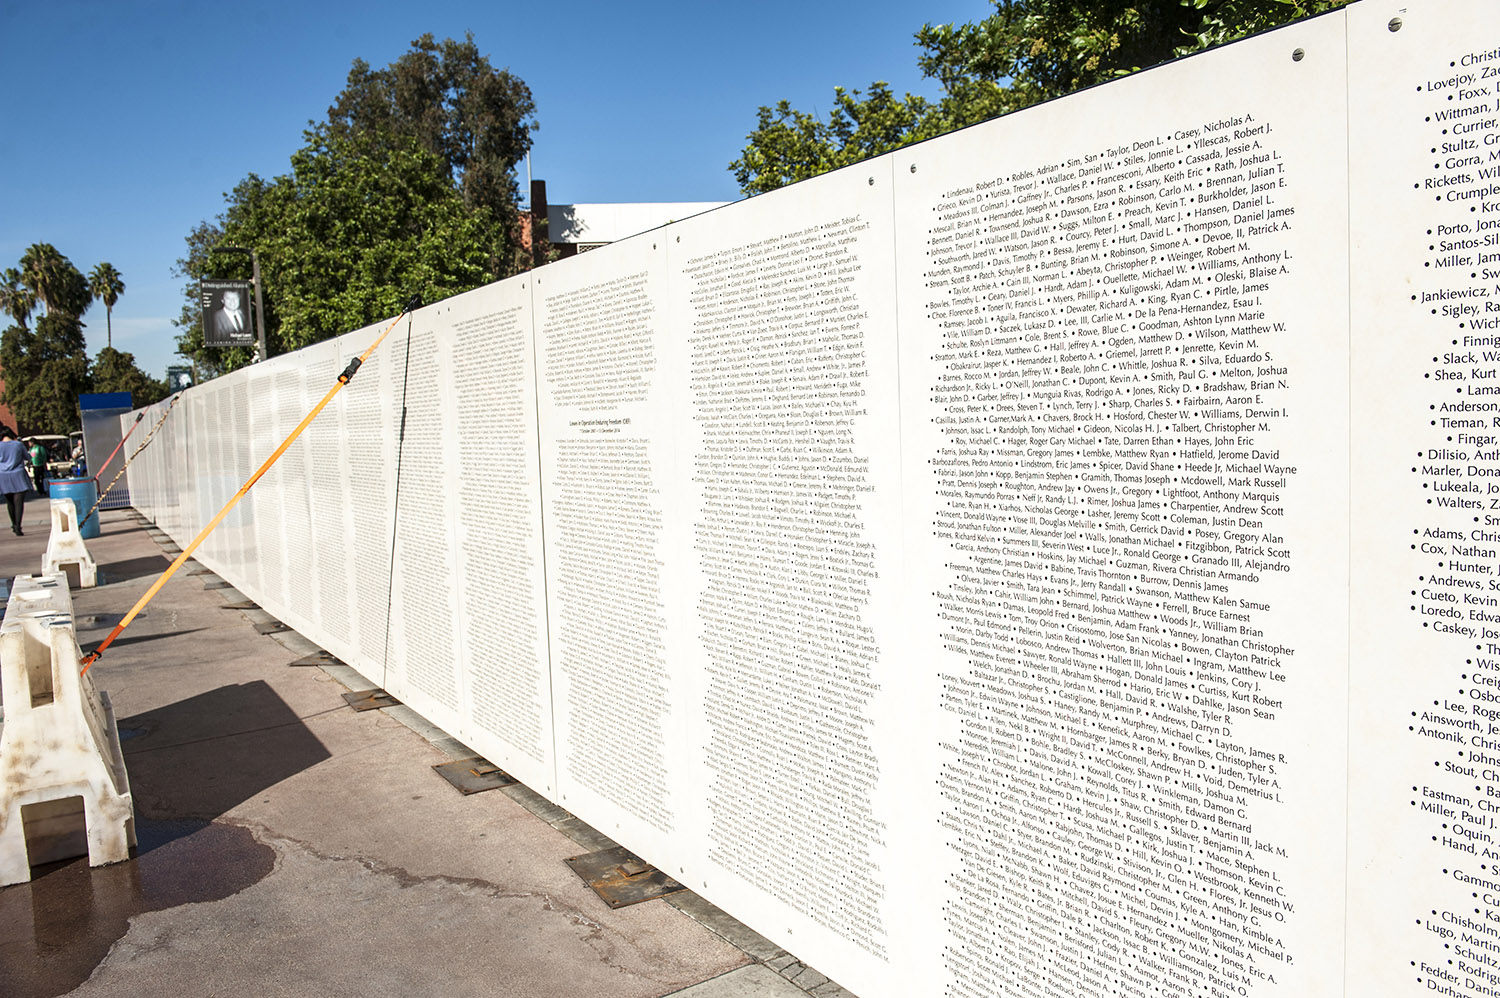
x=56 y=929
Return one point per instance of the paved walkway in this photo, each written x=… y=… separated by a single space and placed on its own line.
x=291 y=846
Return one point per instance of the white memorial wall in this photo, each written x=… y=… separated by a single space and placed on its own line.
x=1424 y=778
x=1062 y=557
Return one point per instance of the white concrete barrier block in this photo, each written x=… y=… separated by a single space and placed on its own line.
x=66 y=552
x=63 y=787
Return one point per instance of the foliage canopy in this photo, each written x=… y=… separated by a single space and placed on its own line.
x=447 y=97
x=45 y=371
x=56 y=284
x=1026 y=52
x=116 y=371
x=45 y=365
x=407 y=187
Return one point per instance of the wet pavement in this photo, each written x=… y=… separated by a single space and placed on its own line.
x=55 y=930
x=292 y=846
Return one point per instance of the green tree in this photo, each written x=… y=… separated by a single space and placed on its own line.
x=1026 y=52
x=58 y=285
x=106 y=284
x=116 y=371
x=790 y=145
x=16 y=299
x=361 y=222
x=447 y=97
x=45 y=370
x=408 y=186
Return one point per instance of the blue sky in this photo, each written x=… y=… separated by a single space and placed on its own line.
x=126 y=122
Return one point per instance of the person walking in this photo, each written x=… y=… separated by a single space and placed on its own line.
x=13 y=480
x=38 y=454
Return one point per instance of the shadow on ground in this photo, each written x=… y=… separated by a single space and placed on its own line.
x=199 y=757
x=132 y=568
x=97 y=638
x=189 y=763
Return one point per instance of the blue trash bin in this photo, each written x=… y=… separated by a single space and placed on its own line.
x=84 y=493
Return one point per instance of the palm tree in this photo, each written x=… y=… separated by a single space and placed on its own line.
x=37 y=266
x=16 y=298
x=57 y=284
x=106 y=285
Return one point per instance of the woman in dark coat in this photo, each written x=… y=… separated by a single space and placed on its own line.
x=13 y=479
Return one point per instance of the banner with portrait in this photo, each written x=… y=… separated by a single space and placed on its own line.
x=226 y=313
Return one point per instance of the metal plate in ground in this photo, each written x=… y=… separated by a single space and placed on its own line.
x=621 y=878
x=218 y=584
x=244 y=604
x=202 y=571
x=271 y=627
x=473 y=776
x=370 y=700
x=316 y=658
